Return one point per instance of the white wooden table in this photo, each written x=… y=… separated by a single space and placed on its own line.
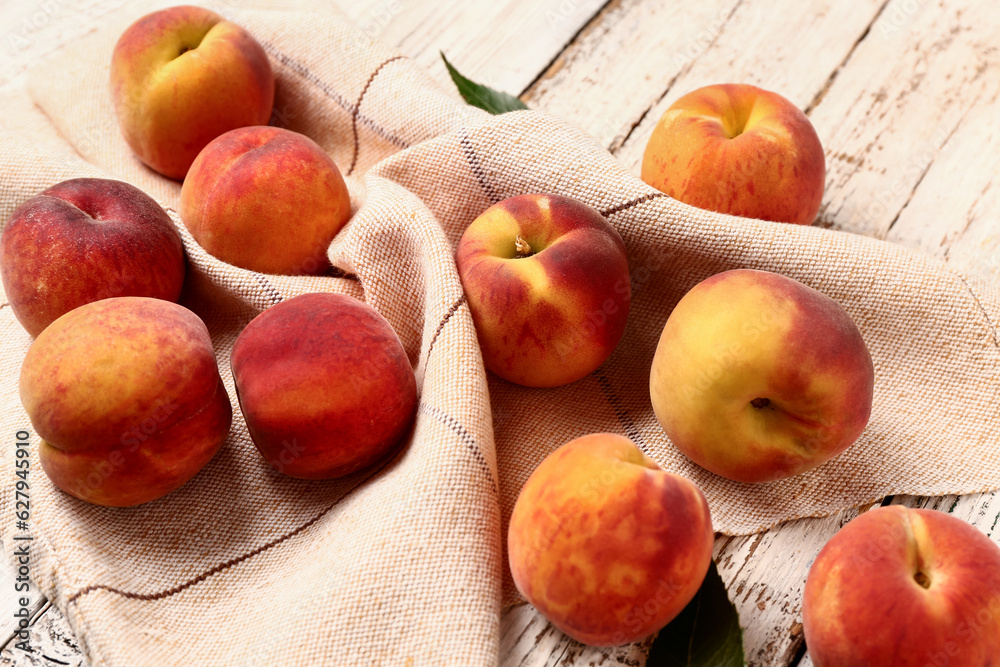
x=903 y=94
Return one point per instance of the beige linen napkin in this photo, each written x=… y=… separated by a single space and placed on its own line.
x=404 y=563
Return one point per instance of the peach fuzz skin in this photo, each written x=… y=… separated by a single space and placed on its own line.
x=758 y=377
x=182 y=76
x=900 y=587
x=324 y=384
x=554 y=316
x=126 y=396
x=738 y=149
x=83 y=240
x=265 y=199
x=606 y=544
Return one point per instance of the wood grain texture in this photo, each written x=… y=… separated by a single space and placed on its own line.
x=504 y=45
x=51 y=643
x=527 y=639
x=895 y=110
x=624 y=61
x=903 y=94
x=764 y=576
x=10 y=601
x=797 y=57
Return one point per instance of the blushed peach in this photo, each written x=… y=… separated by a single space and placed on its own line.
x=605 y=543
x=324 y=384
x=126 y=396
x=265 y=199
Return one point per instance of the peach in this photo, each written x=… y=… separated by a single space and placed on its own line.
x=758 y=377
x=547 y=281
x=324 y=384
x=126 y=396
x=83 y=240
x=735 y=148
x=899 y=587
x=605 y=543
x=181 y=77
x=265 y=199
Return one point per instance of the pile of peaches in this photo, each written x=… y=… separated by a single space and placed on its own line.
x=756 y=377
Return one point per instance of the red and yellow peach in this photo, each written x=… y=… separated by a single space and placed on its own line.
x=605 y=543
x=265 y=199
x=182 y=76
x=735 y=148
x=758 y=377
x=126 y=396
x=547 y=281
x=324 y=384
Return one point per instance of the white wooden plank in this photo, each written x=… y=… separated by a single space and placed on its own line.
x=10 y=601
x=527 y=639
x=620 y=76
x=502 y=44
x=622 y=63
x=796 y=57
x=896 y=104
x=953 y=212
x=51 y=642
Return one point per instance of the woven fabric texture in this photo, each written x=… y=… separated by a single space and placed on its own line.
x=404 y=563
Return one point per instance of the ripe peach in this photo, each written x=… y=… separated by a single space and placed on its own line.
x=83 y=240
x=900 y=587
x=735 y=148
x=758 y=377
x=324 y=384
x=182 y=76
x=547 y=281
x=606 y=544
x=126 y=395
x=265 y=199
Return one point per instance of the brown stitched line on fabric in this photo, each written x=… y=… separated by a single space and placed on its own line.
x=357 y=110
x=631 y=430
x=451 y=311
x=477 y=169
x=327 y=90
x=146 y=597
x=464 y=436
x=992 y=326
x=271 y=290
x=629 y=204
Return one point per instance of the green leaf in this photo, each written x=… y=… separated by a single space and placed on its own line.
x=484 y=97
x=706 y=634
